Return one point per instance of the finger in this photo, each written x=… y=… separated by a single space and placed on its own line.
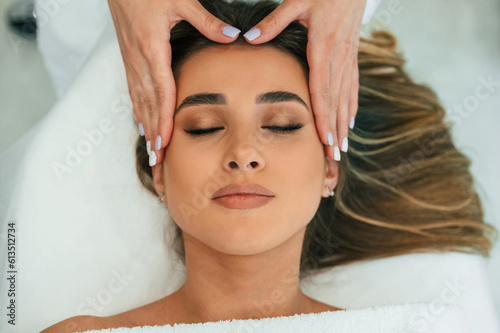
x=337 y=72
x=333 y=100
x=155 y=91
x=142 y=110
x=319 y=88
x=143 y=72
x=165 y=91
x=139 y=103
x=166 y=119
x=353 y=102
x=206 y=23
x=135 y=100
x=274 y=23
x=137 y=97
x=343 y=109
x=139 y=108
x=150 y=108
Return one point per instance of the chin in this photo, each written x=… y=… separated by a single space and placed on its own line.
x=245 y=232
x=246 y=242
x=242 y=249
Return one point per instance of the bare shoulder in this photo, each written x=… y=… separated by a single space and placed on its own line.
x=318 y=307
x=77 y=324
x=156 y=313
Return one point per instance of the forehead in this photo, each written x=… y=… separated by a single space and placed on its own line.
x=240 y=68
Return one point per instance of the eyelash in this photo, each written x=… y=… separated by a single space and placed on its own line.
x=278 y=129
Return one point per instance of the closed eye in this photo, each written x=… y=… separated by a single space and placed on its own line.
x=277 y=129
x=202 y=131
x=285 y=129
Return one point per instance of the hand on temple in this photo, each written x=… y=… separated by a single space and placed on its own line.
x=332 y=54
x=143 y=31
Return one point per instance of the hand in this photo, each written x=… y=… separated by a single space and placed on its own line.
x=143 y=31
x=332 y=55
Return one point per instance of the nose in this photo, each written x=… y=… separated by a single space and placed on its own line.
x=244 y=155
x=245 y=166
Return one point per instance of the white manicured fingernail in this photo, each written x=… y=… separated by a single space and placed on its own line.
x=330 y=138
x=336 y=153
x=344 y=145
x=230 y=31
x=141 y=129
x=152 y=159
x=252 y=34
x=158 y=142
x=351 y=124
x=148 y=146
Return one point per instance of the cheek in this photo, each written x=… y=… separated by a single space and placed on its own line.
x=189 y=180
x=180 y=178
x=305 y=172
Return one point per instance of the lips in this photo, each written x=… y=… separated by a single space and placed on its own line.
x=242 y=189
x=243 y=201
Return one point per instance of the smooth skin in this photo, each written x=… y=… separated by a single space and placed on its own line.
x=143 y=30
x=240 y=264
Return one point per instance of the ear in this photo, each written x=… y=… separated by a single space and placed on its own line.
x=331 y=175
x=157 y=172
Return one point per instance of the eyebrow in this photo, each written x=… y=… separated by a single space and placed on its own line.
x=220 y=99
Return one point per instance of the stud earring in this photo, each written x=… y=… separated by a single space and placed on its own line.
x=161 y=197
x=330 y=191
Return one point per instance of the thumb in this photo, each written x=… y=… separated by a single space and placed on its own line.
x=274 y=23
x=209 y=25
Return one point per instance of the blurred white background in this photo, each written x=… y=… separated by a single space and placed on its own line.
x=26 y=93
x=452 y=45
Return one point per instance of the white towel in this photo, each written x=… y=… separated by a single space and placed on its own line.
x=397 y=318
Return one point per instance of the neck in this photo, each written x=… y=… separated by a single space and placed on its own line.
x=219 y=286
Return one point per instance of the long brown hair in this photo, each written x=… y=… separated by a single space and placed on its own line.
x=403 y=185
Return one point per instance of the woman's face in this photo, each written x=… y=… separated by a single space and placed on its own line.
x=244 y=148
